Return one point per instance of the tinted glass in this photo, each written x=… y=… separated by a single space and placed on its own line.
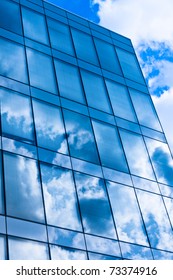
x=94 y=205
x=145 y=110
x=10 y=16
x=126 y=214
x=107 y=56
x=41 y=71
x=136 y=154
x=80 y=137
x=109 y=146
x=121 y=102
x=95 y=91
x=23 y=190
x=16 y=116
x=69 y=81
x=2 y=247
x=12 y=61
x=130 y=66
x=60 y=198
x=135 y=252
x=34 y=26
x=84 y=46
x=1 y=189
x=61 y=253
x=60 y=36
x=49 y=127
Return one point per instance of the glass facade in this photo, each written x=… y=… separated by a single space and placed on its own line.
x=85 y=169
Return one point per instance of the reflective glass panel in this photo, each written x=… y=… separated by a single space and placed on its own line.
x=121 y=102
x=60 y=36
x=49 y=127
x=21 y=249
x=93 y=256
x=156 y=220
x=34 y=26
x=69 y=81
x=94 y=205
x=41 y=71
x=162 y=255
x=136 y=153
x=16 y=116
x=162 y=160
x=2 y=247
x=80 y=137
x=169 y=207
x=23 y=190
x=60 y=197
x=2 y=224
x=66 y=238
x=95 y=91
x=166 y=190
x=107 y=56
x=61 y=253
x=109 y=146
x=10 y=16
x=102 y=245
x=130 y=66
x=1 y=189
x=144 y=184
x=135 y=252
x=84 y=46
x=12 y=61
x=126 y=214
x=145 y=110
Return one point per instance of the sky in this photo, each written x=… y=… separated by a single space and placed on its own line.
x=149 y=24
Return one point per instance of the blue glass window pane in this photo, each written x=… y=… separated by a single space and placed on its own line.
x=162 y=255
x=107 y=56
x=62 y=253
x=41 y=71
x=161 y=159
x=34 y=26
x=80 y=137
x=12 y=61
x=136 y=154
x=10 y=16
x=135 y=252
x=21 y=249
x=95 y=91
x=145 y=110
x=130 y=66
x=156 y=220
x=60 y=36
x=121 y=102
x=109 y=146
x=2 y=224
x=94 y=205
x=69 y=81
x=169 y=206
x=1 y=189
x=23 y=190
x=126 y=212
x=60 y=197
x=16 y=116
x=93 y=256
x=84 y=46
x=2 y=247
x=49 y=127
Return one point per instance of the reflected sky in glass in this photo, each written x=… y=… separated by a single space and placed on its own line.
x=2 y=247
x=135 y=252
x=61 y=253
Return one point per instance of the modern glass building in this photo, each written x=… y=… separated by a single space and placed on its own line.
x=86 y=171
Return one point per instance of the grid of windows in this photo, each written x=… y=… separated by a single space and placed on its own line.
x=83 y=155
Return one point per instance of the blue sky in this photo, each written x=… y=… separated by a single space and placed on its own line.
x=149 y=23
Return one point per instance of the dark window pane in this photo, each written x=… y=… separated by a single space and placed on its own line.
x=10 y=16
x=121 y=102
x=34 y=26
x=145 y=110
x=84 y=46
x=94 y=205
x=49 y=127
x=107 y=56
x=80 y=137
x=12 y=61
x=130 y=66
x=16 y=116
x=60 y=197
x=23 y=190
x=60 y=36
x=95 y=91
x=1 y=189
x=69 y=81
x=109 y=146
x=41 y=71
